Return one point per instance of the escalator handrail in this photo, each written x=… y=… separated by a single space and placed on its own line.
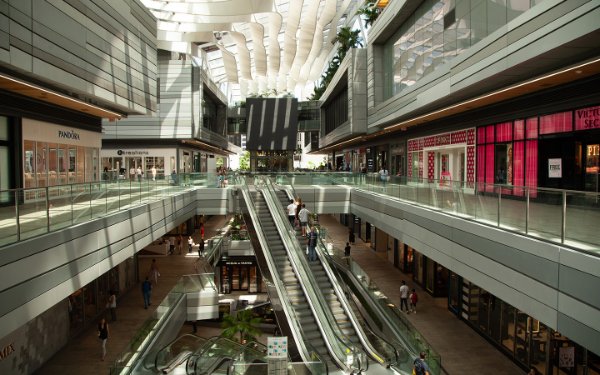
x=345 y=290
x=324 y=258
x=173 y=342
x=286 y=304
x=323 y=316
x=381 y=313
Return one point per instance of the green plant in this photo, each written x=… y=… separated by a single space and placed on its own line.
x=243 y=323
x=370 y=12
x=245 y=161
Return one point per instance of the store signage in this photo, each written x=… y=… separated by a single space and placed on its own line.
x=277 y=347
x=6 y=351
x=555 y=168
x=238 y=263
x=587 y=118
x=132 y=152
x=566 y=356
x=69 y=134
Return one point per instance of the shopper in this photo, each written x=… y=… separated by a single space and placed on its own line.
x=190 y=244
x=384 y=175
x=112 y=305
x=180 y=243
x=139 y=173
x=103 y=335
x=303 y=217
x=291 y=209
x=420 y=367
x=171 y=245
x=146 y=292
x=201 y=248
x=311 y=242
x=347 y=249
x=404 y=296
x=414 y=298
x=153 y=172
x=351 y=237
x=154 y=272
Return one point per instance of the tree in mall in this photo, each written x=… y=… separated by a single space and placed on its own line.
x=244 y=323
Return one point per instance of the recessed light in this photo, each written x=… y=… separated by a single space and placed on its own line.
x=579 y=71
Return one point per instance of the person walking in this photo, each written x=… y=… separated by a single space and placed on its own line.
x=171 y=245
x=404 y=296
x=303 y=217
x=351 y=236
x=291 y=208
x=112 y=305
x=190 y=244
x=153 y=172
x=180 y=244
x=311 y=242
x=383 y=175
x=201 y=231
x=347 y=249
x=146 y=292
x=103 y=335
x=132 y=173
x=420 y=367
x=154 y=272
x=201 y=248
x=414 y=298
x=139 y=173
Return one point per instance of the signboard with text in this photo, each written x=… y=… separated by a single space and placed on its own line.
x=555 y=168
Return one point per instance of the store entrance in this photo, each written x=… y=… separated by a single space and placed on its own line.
x=592 y=164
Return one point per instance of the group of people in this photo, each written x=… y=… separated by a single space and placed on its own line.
x=221 y=177
x=407 y=295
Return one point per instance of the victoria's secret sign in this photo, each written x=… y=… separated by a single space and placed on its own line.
x=587 y=118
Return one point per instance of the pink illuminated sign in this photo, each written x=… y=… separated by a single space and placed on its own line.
x=587 y=118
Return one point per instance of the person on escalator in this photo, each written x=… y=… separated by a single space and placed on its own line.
x=312 y=244
x=303 y=217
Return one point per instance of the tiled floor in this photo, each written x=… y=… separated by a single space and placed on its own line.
x=462 y=350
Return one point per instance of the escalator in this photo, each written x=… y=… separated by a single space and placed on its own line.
x=307 y=312
x=190 y=354
x=291 y=283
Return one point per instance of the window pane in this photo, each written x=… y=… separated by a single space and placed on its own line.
x=519 y=130
x=504 y=132
x=556 y=123
x=532 y=127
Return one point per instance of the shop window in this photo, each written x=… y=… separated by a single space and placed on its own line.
x=504 y=132
x=489 y=134
x=430 y=275
x=481 y=135
x=501 y=165
x=518 y=163
x=519 y=130
x=556 y=123
x=29 y=176
x=481 y=165
x=531 y=126
x=508 y=328
x=531 y=163
x=80 y=169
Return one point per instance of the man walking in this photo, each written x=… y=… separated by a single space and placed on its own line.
x=404 y=296
x=146 y=291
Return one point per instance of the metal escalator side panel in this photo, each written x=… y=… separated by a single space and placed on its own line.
x=340 y=348
x=281 y=299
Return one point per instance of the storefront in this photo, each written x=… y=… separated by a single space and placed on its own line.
x=239 y=274
x=57 y=155
x=398 y=154
x=557 y=150
x=525 y=339
x=117 y=164
x=446 y=158
x=430 y=275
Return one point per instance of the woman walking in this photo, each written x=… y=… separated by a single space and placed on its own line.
x=103 y=335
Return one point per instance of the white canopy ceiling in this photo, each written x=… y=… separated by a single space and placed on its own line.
x=257 y=46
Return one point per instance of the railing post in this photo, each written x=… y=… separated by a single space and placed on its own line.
x=499 y=204
x=47 y=209
x=563 y=227
x=526 y=210
x=17 y=214
x=71 y=187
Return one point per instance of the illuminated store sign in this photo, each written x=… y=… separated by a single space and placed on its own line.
x=70 y=134
x=587 y=118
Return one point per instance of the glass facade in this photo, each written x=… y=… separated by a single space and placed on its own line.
x=336 y=110
x=438 y=31
x=50 y=164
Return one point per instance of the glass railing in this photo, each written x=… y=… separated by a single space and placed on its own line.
x=560 y=216
x=292 y=368
x=411 y=338
x=177 y=352
x=139 y=345
x=28 y=213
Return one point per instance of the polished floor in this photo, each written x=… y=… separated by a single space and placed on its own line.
x=463 y=351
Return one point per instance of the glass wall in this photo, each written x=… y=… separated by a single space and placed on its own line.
x=5 y=160
x=438 y=31
x=524 y=338
x=50 y=164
